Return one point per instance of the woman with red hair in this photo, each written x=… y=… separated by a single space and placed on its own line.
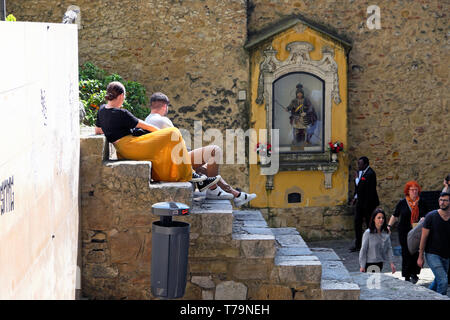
x=408 y=212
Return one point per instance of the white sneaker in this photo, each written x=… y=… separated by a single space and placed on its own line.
x=243 y=198
x=219 y=194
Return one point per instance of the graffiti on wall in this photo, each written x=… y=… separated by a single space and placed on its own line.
x=7 y=195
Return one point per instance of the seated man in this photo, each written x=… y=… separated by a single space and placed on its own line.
x=159 y=106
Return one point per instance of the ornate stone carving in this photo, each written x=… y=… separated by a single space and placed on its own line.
x=299 y=60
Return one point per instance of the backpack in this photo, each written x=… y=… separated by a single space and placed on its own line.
x=414 y=236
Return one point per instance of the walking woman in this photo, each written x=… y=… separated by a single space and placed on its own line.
x=376 y=247
x=408 y=212
x=165 y=148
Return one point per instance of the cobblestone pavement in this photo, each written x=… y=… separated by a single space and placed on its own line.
x=350 y=260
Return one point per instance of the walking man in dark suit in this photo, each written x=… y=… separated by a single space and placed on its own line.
x=366 y=198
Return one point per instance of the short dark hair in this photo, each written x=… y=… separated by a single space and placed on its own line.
x=372 y=227
x=365 y=160
x=447 y=178
x=444 y=194
x=159 y=96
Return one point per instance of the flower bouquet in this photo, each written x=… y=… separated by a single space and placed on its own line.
x=335 y=148
x=263 y=149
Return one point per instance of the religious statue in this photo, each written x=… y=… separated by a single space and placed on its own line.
x=303 y=117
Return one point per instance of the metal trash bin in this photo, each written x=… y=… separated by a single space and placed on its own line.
x=170 y=246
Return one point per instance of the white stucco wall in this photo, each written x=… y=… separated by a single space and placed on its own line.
x=39 y=160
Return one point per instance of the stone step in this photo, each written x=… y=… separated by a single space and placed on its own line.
x=252 y=234
x=336 y=283
x=294 y=261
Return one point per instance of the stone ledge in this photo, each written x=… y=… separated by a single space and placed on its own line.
x=336 y=284
x=387 y=287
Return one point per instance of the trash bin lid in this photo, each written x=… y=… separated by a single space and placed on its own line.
x=170 y=209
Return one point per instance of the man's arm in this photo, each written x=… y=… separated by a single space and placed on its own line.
x=423 y=242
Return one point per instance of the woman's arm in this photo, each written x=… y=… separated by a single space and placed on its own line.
x=144 y=125
x=363 y=252
x=98 y=130
x=391 y=223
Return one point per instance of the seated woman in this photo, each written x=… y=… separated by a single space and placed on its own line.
x=164 y=148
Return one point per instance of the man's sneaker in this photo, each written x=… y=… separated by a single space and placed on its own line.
x=243 y=198
x=219 y=194
x=198 y=177
x=208 y=182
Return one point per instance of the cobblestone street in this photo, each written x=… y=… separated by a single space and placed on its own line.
x=409 y=292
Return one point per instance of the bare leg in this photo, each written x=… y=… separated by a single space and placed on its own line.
x=204 y=161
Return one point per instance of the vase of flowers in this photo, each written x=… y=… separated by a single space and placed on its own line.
x=335 y=148
x=264 y=151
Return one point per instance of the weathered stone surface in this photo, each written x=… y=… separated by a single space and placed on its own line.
x=308 y=271
x=291 y=241
x=217 y=224
x=251 y=269
x=258 y=248
x=204 y=282
x=230 y=290
x=338 y=290
x=124 y=247
x=273 y=292
x=385 y=287
x=293 y=251
x=207 y=295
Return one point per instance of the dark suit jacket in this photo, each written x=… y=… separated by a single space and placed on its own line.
x=367 y=192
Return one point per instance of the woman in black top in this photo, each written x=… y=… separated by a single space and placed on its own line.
x=408 y=212
x=165 y=148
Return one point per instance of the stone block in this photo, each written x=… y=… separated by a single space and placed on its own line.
x=230 y=290
x=207 y=295
x=291 y=241
x=251 y=269
x=273 y=292
x=124 y=247
x=307 y=271
x=338 y=223
x=217 y=224
x=100 y=271
x=213 y=266
x=204 y=282
x=338 y=290
x=309 y=218
x=284 y=231
x=248 y=215
x=302 y=251
x=258 y=248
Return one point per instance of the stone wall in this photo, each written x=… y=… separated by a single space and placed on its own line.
x=313 y=223
x=397 y=85
x=116 y=234
x=191 y=50
x=115 y=210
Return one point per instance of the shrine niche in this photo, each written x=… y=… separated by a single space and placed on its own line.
x=299 y=79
